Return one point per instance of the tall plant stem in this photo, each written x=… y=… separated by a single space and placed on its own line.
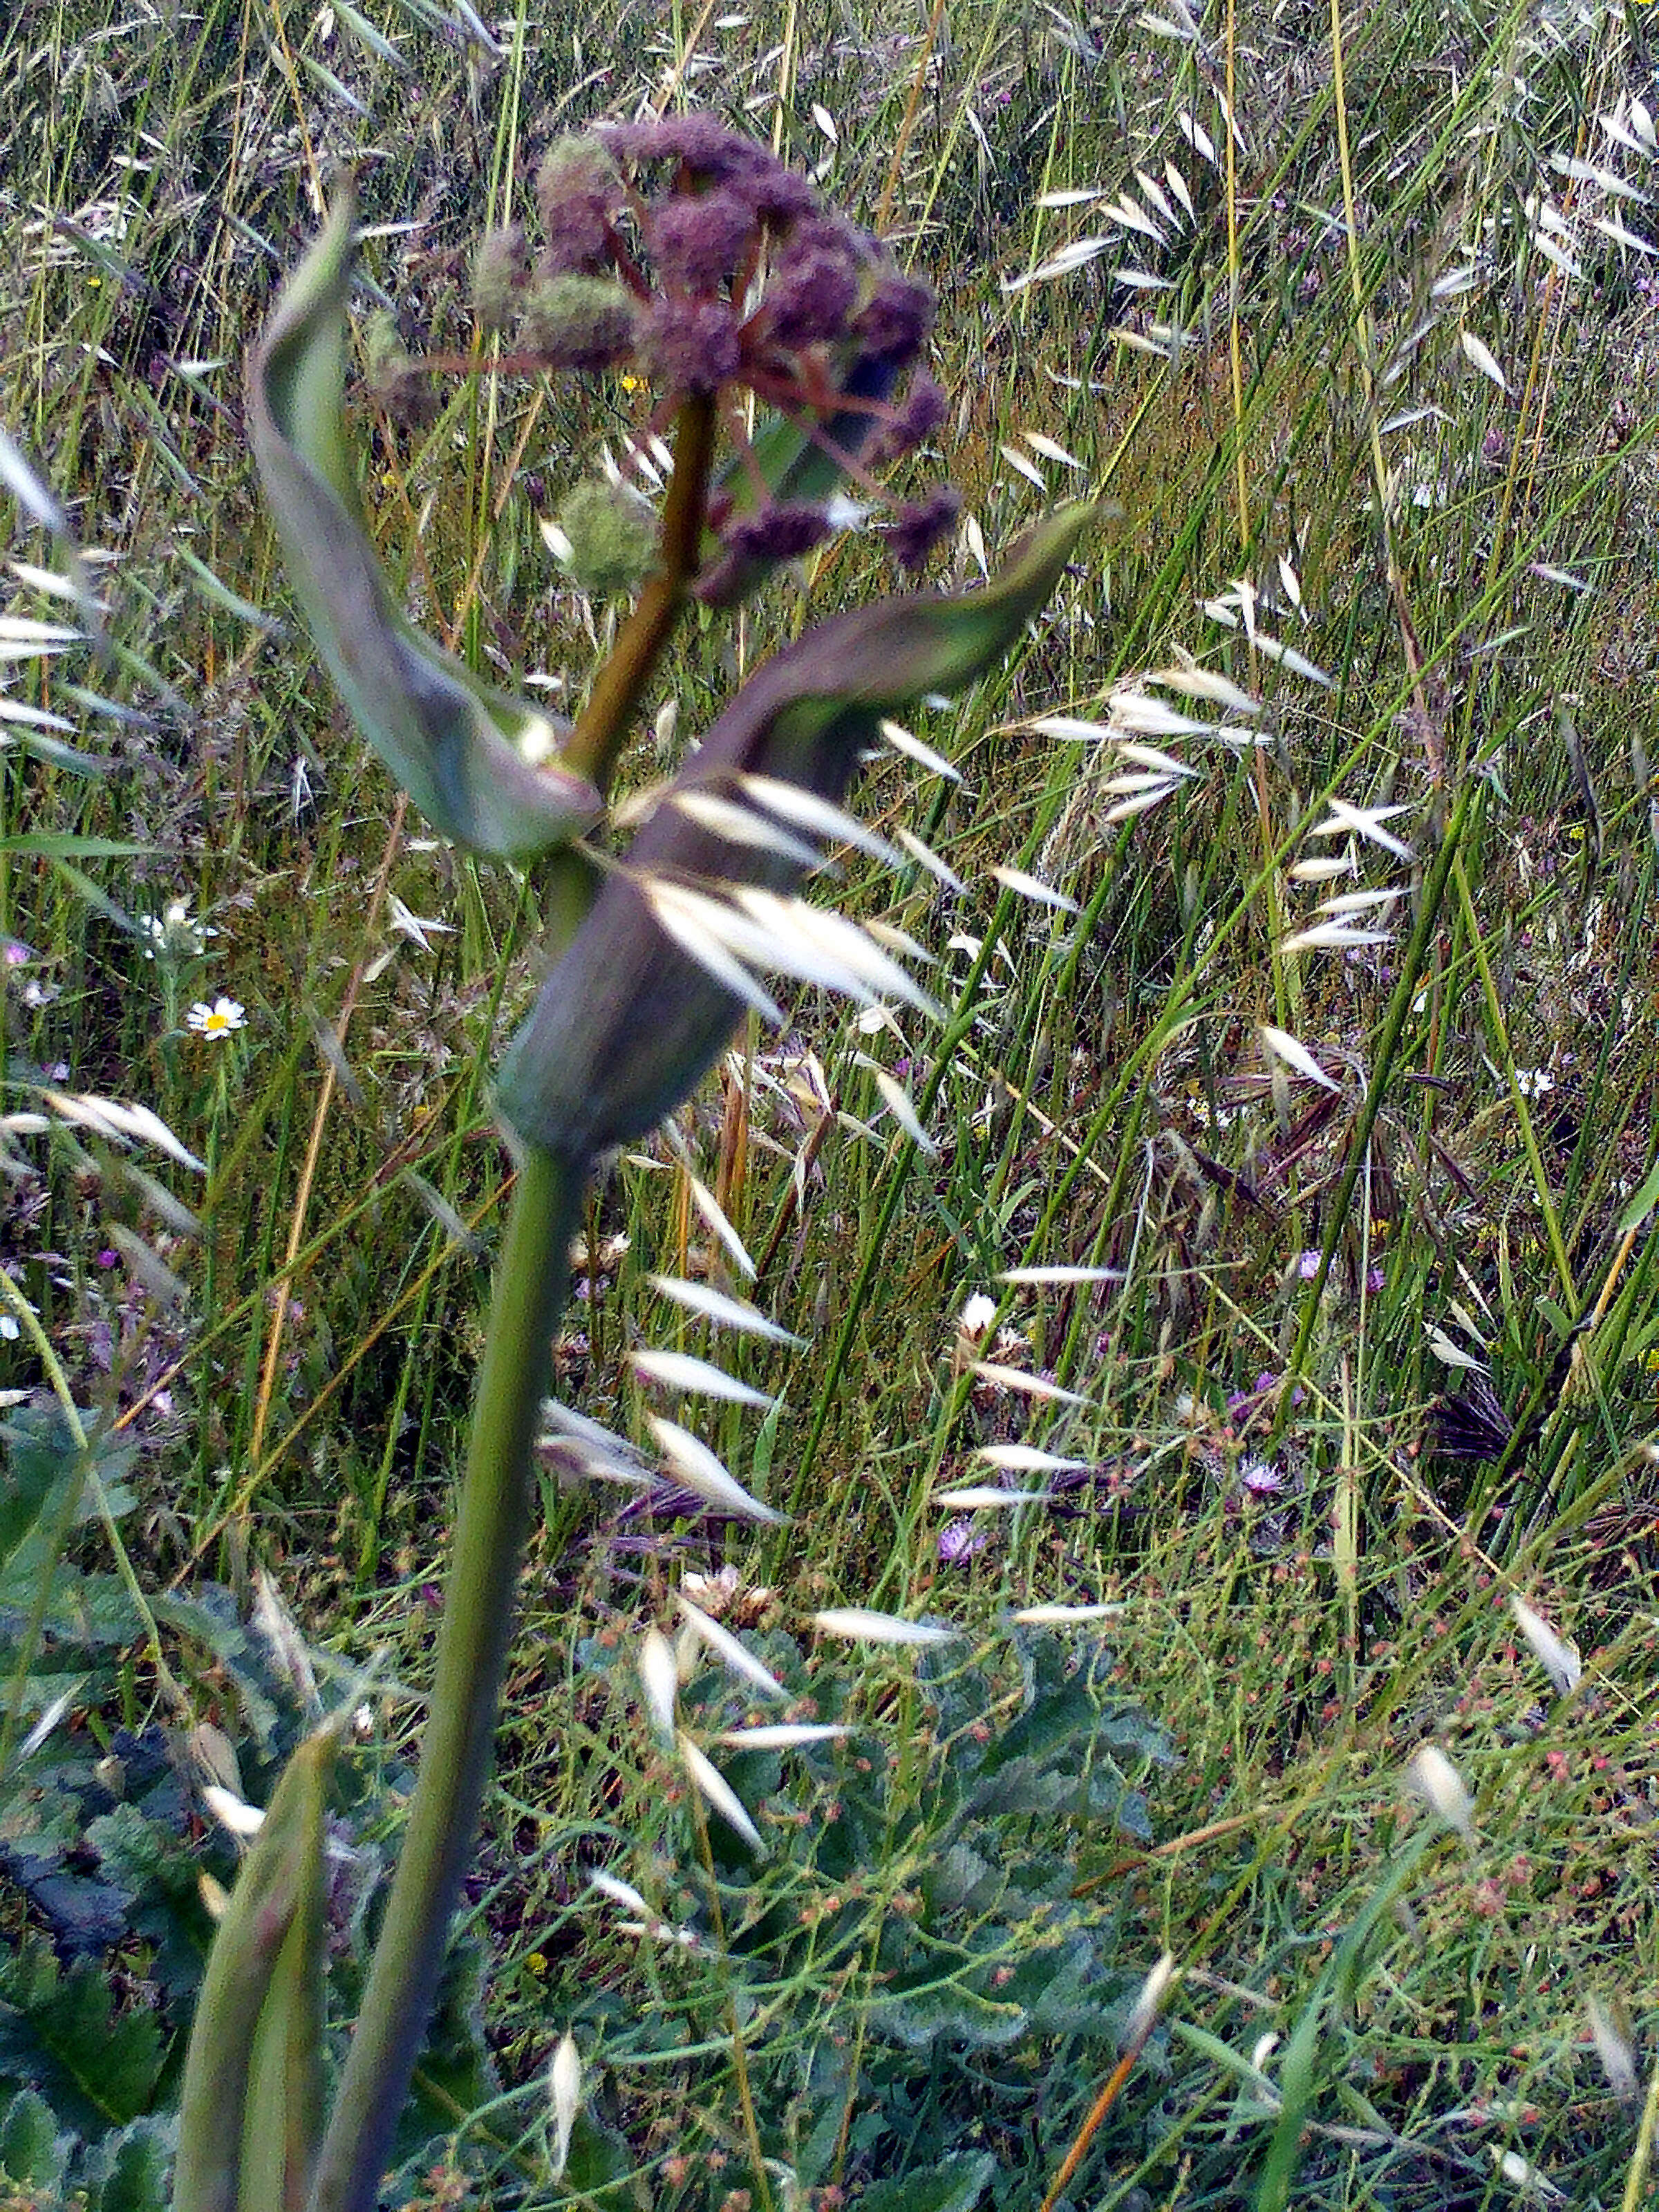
x=533 y=1280
x=593 y=746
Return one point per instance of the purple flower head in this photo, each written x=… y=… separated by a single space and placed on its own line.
x=810 y=299
x=712 y=155
x=693 y=345
x=701 y=140
x=1260 y=1478
x=894 y=322
x=698 y=243
x=782 y=530
x=920 y=527
x=921 y=413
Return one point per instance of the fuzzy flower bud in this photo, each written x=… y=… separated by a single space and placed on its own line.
x=894 y=321
x=500 y=273
x=811 y=299
x=612 y=538
x=581 y=322
x=693 y=344
x=782 y=530
x=923 y=412
x=576 y=191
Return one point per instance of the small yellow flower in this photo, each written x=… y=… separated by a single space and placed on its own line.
x=218 y=1020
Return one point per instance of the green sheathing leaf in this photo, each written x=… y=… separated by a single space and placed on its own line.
x=628 y=1023
x=452 y=742
x=248 y=2116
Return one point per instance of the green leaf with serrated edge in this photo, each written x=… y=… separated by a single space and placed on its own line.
x=60 y=2033
x=956 y=2184
x=130 y=2170
x=33 y=2149
x=457 y=745
x=915 y=2013
x=627 y=1023
x=239 y=2096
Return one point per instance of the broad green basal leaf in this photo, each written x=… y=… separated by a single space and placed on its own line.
x=472 y=759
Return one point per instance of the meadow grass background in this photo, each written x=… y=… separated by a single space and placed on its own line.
x=1371 y=380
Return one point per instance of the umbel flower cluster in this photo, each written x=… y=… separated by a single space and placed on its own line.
x=679 y=252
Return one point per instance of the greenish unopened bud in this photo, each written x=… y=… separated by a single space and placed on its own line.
x=499 y=273
x=580 y=322
x=612 y=538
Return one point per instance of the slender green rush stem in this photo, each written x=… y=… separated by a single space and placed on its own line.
x=533 y=1280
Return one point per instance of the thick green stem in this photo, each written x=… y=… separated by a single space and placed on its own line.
x=531 y=1283
x=602 y=726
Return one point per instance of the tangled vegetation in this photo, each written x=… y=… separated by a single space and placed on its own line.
x=1267 y=1198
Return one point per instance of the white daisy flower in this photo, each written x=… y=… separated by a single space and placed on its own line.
x=218 y=1020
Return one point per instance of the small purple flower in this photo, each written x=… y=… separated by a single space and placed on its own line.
x=1260 y=1478
x=959 y=1541
x=1307 y=1266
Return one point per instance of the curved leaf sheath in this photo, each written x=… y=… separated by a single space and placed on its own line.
x=628 y=1023
x=457 y=745
x=249 y=2114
